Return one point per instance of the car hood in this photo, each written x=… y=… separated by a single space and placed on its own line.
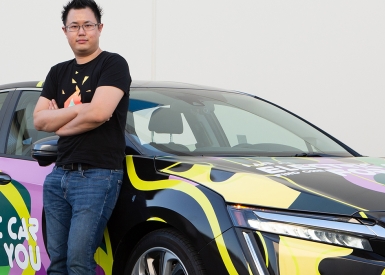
x=344 y=186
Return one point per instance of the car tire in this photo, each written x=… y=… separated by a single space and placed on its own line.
x=164 y=249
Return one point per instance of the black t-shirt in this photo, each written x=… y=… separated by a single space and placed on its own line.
x=69 y=84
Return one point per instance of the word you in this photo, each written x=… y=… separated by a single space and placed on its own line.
x=24 y=256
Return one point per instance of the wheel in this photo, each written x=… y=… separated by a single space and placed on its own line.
x=164 y=252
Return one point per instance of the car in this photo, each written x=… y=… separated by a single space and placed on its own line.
x=216 y=182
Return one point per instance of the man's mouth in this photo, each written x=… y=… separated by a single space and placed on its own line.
x=81 y=41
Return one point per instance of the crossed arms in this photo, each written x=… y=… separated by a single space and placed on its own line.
x=79 y=118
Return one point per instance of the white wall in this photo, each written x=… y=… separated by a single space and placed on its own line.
x=324 y=60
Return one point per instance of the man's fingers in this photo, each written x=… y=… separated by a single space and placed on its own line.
x=54 y=104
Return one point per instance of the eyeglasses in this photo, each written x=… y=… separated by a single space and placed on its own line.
x=86 y=27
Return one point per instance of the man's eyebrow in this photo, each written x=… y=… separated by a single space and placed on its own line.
x=77 y=23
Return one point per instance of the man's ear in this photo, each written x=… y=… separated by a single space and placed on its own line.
x=100 y=27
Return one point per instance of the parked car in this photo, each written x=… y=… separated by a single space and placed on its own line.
x=216 y=182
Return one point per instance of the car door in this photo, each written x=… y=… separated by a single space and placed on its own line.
x=22 y=249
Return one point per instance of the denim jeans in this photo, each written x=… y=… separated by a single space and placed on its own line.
x=77 y=207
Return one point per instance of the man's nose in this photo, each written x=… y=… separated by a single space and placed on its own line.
x=81 y=31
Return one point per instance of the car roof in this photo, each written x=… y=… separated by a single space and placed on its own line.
x=27 y=84
x=134 y=84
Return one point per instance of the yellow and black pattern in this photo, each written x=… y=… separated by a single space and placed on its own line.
x=286 y=256
x=239 y=182
x=328 y=186
x=196 y=194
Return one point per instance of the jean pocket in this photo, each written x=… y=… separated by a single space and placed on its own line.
x=117 y=172
x=118 y=188
x=117 y=175
x=96 y=174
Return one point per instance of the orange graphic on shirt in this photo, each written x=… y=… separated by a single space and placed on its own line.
x=74 y=99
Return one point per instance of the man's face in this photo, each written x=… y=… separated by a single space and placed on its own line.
x=83 y=43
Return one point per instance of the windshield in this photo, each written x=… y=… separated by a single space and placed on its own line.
x=201 y=122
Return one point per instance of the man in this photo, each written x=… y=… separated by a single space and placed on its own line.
x=84 y=101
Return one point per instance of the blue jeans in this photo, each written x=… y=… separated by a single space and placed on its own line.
x=77 y=207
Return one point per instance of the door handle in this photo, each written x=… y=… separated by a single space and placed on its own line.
x=4 y=178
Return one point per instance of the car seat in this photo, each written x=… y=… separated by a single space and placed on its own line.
x=166 y=121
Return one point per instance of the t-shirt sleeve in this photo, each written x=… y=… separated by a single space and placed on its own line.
x=115 y=72
x=50 y=85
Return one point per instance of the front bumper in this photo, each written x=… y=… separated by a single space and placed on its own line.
x=253 y=252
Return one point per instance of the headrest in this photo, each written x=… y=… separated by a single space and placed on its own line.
x=166 y=121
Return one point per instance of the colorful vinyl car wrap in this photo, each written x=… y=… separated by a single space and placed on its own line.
x=191 y=194
x=18 y=232
x=332 y=185
x=22 y=248
x=341 y=186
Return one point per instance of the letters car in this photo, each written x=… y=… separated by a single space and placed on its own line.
x=216 y=182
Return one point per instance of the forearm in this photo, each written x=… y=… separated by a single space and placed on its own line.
x=94 y=114
x=52 y=120
x=83 y=122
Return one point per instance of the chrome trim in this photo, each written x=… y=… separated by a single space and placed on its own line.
x=325 y=224
x=29 y=89
x=377 y=230
x=253 y=254
x=7 y=90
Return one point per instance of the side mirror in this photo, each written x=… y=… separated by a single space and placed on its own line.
x=4 y=179
x=45 y=150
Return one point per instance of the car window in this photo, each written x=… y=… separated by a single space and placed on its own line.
x=203 y=122
x=3 y=96
x=151 y=137
x=22 y=132
x=253 y=129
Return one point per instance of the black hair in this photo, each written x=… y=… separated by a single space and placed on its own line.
x=82 y=4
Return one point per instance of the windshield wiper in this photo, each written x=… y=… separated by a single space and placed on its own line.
x=311 y=155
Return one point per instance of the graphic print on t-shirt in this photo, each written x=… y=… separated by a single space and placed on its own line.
x=76 y=97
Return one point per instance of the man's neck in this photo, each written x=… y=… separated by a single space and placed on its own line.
x=85 y=59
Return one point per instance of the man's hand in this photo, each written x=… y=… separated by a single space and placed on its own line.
x=53 y=105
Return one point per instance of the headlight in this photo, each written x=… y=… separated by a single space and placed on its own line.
x=347 y=232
